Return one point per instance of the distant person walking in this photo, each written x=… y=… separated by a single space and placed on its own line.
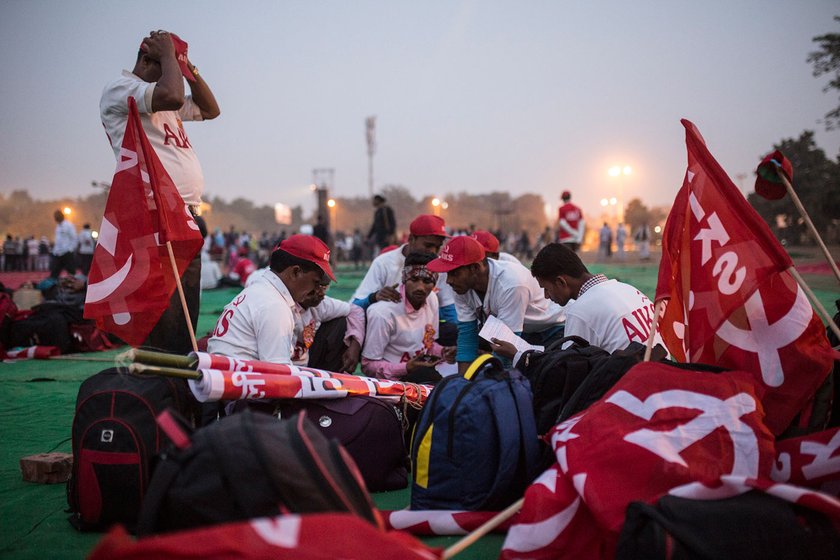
x=157 y=85
x=86 y=247
x=605 y=242
x=64 y=250
x=384 y=228
x=620 y=239
x=570 y=224
x=642 y=240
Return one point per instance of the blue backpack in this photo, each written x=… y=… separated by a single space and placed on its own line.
x=475 y=446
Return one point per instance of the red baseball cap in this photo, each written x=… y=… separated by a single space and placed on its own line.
x=566 y=194
x=428 y=224
x=181 y=48
x=308 y=248
x=767 y=181
x=459 y=251
x=487 y=240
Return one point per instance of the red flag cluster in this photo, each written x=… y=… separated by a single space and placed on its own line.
x=131 y=279
x=730 y=302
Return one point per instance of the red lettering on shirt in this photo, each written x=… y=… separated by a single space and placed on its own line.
x=223 y=324
x=180 y=139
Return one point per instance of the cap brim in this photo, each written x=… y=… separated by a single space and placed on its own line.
x=439 y=265
x=327 y=270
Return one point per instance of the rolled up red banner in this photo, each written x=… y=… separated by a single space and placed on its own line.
x=353 y=384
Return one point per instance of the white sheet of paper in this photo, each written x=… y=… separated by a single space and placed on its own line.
x=493 y=328
x=445 y=369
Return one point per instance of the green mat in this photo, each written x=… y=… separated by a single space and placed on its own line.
x=37 y=416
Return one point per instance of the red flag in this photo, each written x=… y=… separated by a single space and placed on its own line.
x=131 y=278
x=812 y=460
x=322 y=536
x=731 y=301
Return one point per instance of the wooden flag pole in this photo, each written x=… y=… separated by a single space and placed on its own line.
x=807 y=218
x=816 y=303
x=657 y=311
x=485 y=528
x=181 y=295
x=160 y=359
x=165 y=371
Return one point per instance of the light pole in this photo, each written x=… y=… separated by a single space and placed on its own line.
x=620 y=171
x=331 y=206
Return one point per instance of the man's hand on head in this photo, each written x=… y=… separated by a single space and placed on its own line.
x=159 y=45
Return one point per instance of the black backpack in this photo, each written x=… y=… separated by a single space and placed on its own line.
x=115 y=443
x=754 y=525
x=250 y=465
x=555 y=375
x=567 y=381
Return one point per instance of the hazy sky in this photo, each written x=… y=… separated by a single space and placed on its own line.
x=469 y=96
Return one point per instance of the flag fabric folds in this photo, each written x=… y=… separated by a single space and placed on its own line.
x=731 y=301
x=131 y=279
x=661 y=430
x=323 y=536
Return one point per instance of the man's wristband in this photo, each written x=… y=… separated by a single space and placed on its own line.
x=194 y=71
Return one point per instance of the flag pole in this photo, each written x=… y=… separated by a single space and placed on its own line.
x=820 y=309
x=807 y=218
x=653 y=326
x=485 y=528
x=181 y=295
x=165 y=371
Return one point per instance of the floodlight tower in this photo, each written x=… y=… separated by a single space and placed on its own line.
x=370 y=129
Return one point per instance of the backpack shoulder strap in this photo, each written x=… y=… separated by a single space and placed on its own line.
x=167 y=469
x=478 y=364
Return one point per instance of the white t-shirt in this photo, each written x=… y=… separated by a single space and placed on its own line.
x=396 y=331
x=259 y=324
x=514 y=297
x=163 y=128
x=86 y=243
x=65 y=238
x=507 y=257
x=611 y=315
x=386 y=270
x=308 y=321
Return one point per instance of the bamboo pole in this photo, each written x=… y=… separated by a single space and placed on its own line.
x=161 y=359
x=165 y=371
x=809 y=223
x=181 y=295
x=816 y=303
x=485 y=528
x=72 y=358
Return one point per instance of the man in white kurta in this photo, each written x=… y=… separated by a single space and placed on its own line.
x=400 y=335
x=506 y=290
x=607 y=313
x=259 y=324
x=427 y=234
x=157 y=85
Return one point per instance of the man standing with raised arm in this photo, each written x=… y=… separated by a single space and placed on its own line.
x=157 y=85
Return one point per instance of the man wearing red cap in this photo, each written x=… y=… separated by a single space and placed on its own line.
x=570 y=224
x=157 y=86
x=491 y=246
x=259 y=324
x=426 y=235
x=506 y=290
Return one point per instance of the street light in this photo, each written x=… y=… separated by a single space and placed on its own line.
x=331 y=206
x=436 y=206
x=67 y=210
x=619 y=171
